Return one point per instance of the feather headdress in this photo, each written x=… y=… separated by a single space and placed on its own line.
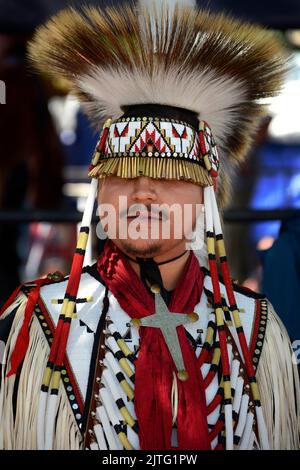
x=211 y=64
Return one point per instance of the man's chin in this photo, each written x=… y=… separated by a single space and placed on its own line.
x=141 y=248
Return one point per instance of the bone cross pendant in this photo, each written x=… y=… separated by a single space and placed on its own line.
x=167 y=322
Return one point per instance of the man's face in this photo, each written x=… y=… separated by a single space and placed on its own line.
x=148 y=217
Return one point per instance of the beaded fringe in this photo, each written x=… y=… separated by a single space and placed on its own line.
x=21 y=433
x=153 y=167
x=7 y=435
x=278 y=381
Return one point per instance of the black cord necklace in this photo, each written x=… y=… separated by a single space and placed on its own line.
x=150 y=273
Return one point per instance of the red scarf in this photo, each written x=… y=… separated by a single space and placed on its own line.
x=154 y=365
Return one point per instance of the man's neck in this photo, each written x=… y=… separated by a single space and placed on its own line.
x=171 y=271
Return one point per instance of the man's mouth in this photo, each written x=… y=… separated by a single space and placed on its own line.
x=145 y=216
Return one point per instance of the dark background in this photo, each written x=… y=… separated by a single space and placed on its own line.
x=25 y=15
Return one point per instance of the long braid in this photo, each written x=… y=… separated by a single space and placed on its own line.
x=211 y=244
x=237 y=321
x=52 y=374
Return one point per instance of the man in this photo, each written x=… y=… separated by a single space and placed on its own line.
x=147 y=349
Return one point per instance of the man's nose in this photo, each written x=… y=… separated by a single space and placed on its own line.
x=144 y=189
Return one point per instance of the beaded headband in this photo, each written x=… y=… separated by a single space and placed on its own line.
x=158 y=148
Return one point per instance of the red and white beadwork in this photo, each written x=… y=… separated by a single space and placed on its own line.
x=153 y=138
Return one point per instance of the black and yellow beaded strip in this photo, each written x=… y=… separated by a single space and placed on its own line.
x=236 y=317
x=69 y=384
x=52 y=372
